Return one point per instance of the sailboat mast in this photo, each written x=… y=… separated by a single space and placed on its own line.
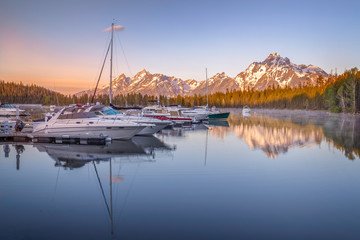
x=111 y=60
x=207 y=95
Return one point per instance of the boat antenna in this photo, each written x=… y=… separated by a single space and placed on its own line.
x=56 y=95
x=57 y=99
x=207 y=95
x=111 y=61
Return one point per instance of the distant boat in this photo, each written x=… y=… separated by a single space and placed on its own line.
x=218 y=116
x=9 y=110
x=246 y=110
x=199 y=113
x=214 y=114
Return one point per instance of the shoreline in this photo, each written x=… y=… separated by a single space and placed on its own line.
x=264 y=110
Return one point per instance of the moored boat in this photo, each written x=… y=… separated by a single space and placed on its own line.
x=198 y=113
x=9 y=110
x=106 y=112
x=167 y=113
x=246 y=110
x=73 y=122
x=219 y=116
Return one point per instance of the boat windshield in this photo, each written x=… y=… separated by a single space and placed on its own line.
x=109 y=111
x=103 y=110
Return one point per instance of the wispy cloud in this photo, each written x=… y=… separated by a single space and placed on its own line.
x=116 y=28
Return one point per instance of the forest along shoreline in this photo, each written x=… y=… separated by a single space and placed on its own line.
x=336 y=93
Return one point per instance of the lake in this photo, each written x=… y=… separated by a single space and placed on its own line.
x=270 y=175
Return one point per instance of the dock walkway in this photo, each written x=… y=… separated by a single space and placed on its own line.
x=48 y=138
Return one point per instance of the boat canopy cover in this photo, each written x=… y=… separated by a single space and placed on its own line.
x=124 y=108
x=78 y=115
x=96 y=108
x=6 y=105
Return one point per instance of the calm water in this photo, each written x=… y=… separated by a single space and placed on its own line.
x=273 y=175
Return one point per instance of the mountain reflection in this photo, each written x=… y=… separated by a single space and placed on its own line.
x=275 y=132
x=274 y=136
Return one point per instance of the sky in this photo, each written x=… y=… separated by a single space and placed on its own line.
x=61 y=44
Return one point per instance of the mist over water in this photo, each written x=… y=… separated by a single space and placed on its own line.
x=272 y=174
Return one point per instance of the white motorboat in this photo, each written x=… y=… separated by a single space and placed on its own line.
x=199 y=113
x=246 y=110
x=9 y=110
x=75 y=122
x=154 y=125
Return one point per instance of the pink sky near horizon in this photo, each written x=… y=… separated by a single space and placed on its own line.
x=60 y=44
x=30 y=60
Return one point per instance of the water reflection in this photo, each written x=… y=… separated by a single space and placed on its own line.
x=178 y=131
x=274 y=136
x=71 y=156
x=6 y=149
x=209 y=185
x=19 y=149
x=275 y=132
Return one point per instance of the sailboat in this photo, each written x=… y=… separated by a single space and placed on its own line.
x=154 y=125
x=214 y=114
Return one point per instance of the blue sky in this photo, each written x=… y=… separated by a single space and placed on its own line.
x=60 y=44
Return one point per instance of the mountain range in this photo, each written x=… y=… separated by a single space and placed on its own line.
x=273 y=71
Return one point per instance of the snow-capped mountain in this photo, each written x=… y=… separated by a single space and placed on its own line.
x=218 y=83
x=157 y=84
x=146 y=83
x=192 y=84
x=277 y=71
x=273 y=71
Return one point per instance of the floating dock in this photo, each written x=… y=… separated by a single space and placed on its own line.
x=48 y=138
x=15 y=137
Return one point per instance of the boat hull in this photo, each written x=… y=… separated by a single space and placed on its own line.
x=176 y=120
x=114 y=132
x=218 y=116
x=195 y=115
